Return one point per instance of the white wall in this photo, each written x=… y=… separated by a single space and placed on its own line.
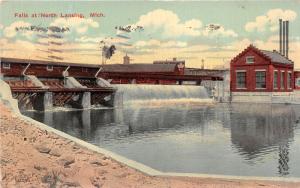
x=6 y=97
x=263 y=97
x=220 y=90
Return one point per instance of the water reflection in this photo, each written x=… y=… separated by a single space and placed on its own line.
x=258 y=129
x=250 y=139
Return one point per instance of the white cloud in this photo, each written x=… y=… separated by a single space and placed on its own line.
x=89 y=39
x=171 y=26
x=219 y=32
x=157 y=43
x=57 y=40
x=10 y=31
x=178 y=44
x=80 y=25
x=170 y=23
x=270 y=20
x=107 y=40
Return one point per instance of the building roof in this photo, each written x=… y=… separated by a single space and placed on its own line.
x=276 y=57
x=273 y=56
x=44 y=62
x=204 y=72
x=173 y=61
x=106 y=68
x=139 y=68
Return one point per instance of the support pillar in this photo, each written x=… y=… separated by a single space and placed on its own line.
x=118 y=99
x=86 y=100
x=43 y=101
x=115 y=100
x=48 y=101
x=198 y=83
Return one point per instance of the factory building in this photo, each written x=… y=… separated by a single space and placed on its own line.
x=264 y=76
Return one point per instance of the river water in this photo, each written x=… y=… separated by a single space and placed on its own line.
x=190 y=133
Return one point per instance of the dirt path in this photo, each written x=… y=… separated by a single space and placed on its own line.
x=31 y=157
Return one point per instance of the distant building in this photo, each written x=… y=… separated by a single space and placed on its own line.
x=262 y=74
x=173 y=61
x=126 y=60
x=180 y=64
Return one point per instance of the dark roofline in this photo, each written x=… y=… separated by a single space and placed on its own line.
x=199 y=69
x=168 y=61
x=44 y=62
x=275 y=51
x=66 y=64
x=259 y=51
x=58 y=63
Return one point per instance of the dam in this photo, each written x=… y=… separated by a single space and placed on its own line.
x=42 y=85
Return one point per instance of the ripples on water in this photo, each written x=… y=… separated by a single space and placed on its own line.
x=193 y=136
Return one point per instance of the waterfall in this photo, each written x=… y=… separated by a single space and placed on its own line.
x=133 y=92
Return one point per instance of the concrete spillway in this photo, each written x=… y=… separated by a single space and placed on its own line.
x=132 y=92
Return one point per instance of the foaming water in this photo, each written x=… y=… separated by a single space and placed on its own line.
x=138 y=92
x=154 y=103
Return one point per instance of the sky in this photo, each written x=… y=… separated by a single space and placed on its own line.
x=181 y=29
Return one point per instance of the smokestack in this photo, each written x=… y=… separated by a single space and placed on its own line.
x=280 y=36
x=287 y=38
x=283 y=38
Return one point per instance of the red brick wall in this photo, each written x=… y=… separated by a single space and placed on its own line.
x=41 y=71
x=240 y=64
x=15 y=69
x=286 y=69
x=260 y=63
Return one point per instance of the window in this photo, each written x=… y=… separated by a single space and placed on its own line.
x=249 y=59
x=297 y=82
x=289 y=80
x=260 y=77
x=241 y=80
x=49 y=67
x=275 y=80
x=6 y=65
x=84 y=69
x=282 y=80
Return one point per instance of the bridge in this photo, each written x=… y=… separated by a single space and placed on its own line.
x=83 y=85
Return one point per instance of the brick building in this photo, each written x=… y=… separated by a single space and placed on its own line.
x=262 y=74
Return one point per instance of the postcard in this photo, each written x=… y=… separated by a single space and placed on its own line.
x=150 y=93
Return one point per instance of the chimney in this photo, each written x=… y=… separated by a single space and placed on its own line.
x=287 y=38
x=280 y=36
x=283 y=38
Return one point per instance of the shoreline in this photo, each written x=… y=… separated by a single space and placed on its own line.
x=31 y=155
